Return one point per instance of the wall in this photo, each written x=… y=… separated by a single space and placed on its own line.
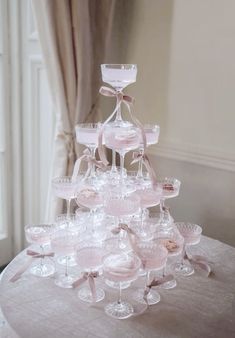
x=185 y=53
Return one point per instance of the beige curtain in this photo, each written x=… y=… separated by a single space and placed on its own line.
x=74 y=35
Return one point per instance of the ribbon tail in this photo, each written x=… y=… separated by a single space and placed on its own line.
x=19 y=273
x=79 y=282
x=145 y=297
x=93 y=288
x=76 y=168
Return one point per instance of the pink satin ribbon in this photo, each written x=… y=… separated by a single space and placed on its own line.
x=141 y=156
x=33 y=254
x=156 y=282
x=200 y=261
x=90 y=276
x=128 y=101
x=90 y=160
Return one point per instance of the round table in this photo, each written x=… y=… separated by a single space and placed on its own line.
x=199 y=306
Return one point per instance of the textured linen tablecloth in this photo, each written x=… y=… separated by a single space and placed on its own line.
x=197 y=307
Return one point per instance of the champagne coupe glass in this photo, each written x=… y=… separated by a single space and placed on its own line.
x=63 y=242
x=153 y=257
x=120 y=268
x=192 y=235
x=149 y=197
x=87 y=134
x=152 y=134
x=64 y=187
x=89 y=256
x=90 y=196
x=40 y=235
x=74 y=224
x=170 y=188
x=118 y=76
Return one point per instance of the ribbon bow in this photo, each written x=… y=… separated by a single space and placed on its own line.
x=128 y=101
x=87 y=156
x=33 y=255
x=141 y=156
x=90 y=276
x=156 y=282
x=199 y=261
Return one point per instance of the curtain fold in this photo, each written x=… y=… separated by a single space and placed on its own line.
x=74 y=36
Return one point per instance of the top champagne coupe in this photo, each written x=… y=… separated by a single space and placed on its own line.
x=119 y=76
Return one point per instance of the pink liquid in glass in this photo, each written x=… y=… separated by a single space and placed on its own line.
x=65 y=190
x=38 y=234
x=122 y=140
x=152 y=259
x=122 y=207
x=121 y=267
x=90 y=258
x=90 y=198
x=64 y=244
x=149 y=197
x=87 y=136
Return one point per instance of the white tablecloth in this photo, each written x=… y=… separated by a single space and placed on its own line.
x=198 y=307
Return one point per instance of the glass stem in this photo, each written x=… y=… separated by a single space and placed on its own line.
x=162 y=205
x=122 y=160
x=147 y=279
x=183 y=254
x=68 y=208
x=41 y=259
x=119 y=113
x=114 y=168
x=93 y=151
x=66 y=266
x=120 y=294
x=140 y=166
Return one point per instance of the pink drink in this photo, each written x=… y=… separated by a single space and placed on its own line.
x=121 y=267
x=87 y=136
x=151 y=137
x=122 y=207
x=63 y=243
x=119 y=78
x=122 y=139
x=65 y=188
x=90 y=198
x=38 y=234
x=153 y=257
x=149 y=197
x=90 y=258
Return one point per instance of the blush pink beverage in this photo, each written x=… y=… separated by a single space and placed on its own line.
x=170 y=193
x=64 y=245
x=91 y=202
x=151 y=137
x=153 y=261
x=66 y=191
x=149 y=197
x=119 y=78
x=87 y=136
x=37 y=235
x=120 y=271
x=121 y=142
x=121 y=207
x=90 y=258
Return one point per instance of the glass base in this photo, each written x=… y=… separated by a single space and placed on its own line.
x=71 y=260
x=43 y=270
x=115 y=285
x=118 y=310
x=64 y=281
x=183 y=269
x=86 y=296
x=169 y=285
x=152 y=298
